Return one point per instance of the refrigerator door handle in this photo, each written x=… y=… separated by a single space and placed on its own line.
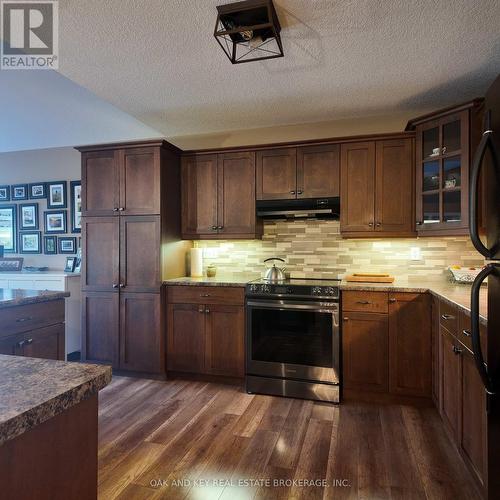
x=476 y=341
x=485 y=144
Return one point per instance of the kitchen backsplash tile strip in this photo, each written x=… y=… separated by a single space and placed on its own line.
x=315 y=249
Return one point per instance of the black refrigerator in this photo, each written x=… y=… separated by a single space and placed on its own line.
x=484 y=225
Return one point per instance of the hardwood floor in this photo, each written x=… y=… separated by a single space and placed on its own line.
x=196 y=440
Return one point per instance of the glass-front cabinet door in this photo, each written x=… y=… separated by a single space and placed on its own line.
x=442 y=162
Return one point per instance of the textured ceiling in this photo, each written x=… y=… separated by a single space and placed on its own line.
x=158 y=60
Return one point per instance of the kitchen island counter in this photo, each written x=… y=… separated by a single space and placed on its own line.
x=14 y=297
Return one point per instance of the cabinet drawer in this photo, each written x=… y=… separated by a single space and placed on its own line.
x=448 y=317
x=29 y=317
x=376 y=302
x=464 y=332
x=206 y=295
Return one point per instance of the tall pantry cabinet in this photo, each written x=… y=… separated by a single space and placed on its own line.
x=130 y=218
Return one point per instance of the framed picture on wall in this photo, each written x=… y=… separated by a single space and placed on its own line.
x=50 y=245
x=76 y=207
x=37 y=191
x=56 y=194
x=4 y=193
x=67 y=245
x=19 y=192
x=55 y=221
x=30 y=242
x=28 y=216
x=8 y=228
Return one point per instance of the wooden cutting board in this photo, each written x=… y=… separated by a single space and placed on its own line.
x=370 y=278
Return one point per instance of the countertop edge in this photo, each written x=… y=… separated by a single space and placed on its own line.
x=37 y=415
x=36 y=299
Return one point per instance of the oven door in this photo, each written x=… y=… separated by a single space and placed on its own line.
x=289 y=339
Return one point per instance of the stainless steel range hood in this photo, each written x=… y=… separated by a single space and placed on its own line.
x=311 y=208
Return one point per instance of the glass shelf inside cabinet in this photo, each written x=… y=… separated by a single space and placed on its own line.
x=430 y=142
x=451 y=137
x=431 y=208
x=452 y=206
x=431 y=176
x=452 y=172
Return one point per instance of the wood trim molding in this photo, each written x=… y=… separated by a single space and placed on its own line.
x=130 y=145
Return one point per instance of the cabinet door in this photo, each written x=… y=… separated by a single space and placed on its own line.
x=394 y=186
x=473 y=428
x=186 y=338
x=140 y=181
x=100 y=327
x=318 y=171
x=46 y=343
x=410 y=368
x=277 y=174
x=450 y=381
x=435 y=350
x=12 y=345
x=199 y=195
x=101 y=253
x=357 y=180
x=225 y=330
x=236 y=193
x=100 y=183
x=140 y=248
x=141 y=343
x=365 y=347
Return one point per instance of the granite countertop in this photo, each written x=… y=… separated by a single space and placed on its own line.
x=455 y=293
x=35 y=390
x=237 y=279
x=10 y=298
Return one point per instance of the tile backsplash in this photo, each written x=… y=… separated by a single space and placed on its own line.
x=314 y=248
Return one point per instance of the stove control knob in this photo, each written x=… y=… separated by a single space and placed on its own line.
x=265 y=289
x=317 y=290
x=253 y=288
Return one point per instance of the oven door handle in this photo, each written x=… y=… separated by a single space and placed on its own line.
x=303 y=306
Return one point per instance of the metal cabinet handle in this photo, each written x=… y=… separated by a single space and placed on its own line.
x=467 y=333
x=419 y=223
x=370 y=224
x=299 y=191
x=346 y=318
x=379 y=224
x=220 y=228
x=204 y=295
x=213 y=228
x=292 y=192
x=457 y=350
x=443 y=150
x=201 y=309
x=20 y=343
x=22 y=320
x=29 y=341
x=122 y=285
x=121 y=209
x=115 y=285
x=446 y=317
x=207 y=311
x=364 y=302
x=392 y=300
x=115 y=209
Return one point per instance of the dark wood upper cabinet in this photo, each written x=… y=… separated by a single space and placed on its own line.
x=236 y=194
x=394 y=207
x=140 y=247
x=318 y=171
x=142 y=348
x=186 y=341
x=100 y=327
x=445 y=143
x=199 y=195
x=277 y=174
x=377 y=188
x=365 y=349
x=140 y=181
x=357 y=200
x=410 y=368
x=218 y=196
x=100 y=183
x=101 y=248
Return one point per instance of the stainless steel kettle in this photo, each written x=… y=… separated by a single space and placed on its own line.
x=275 y=273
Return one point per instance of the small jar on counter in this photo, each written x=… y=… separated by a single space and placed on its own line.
x=211 y=271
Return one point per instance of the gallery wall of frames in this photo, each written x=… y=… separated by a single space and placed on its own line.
x=41 y=218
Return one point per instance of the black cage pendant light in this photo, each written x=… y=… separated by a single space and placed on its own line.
x=249 y=31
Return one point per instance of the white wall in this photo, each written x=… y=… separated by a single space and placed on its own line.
x=41 y=166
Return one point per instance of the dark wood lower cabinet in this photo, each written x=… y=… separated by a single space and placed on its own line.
x=410 y=369
x=435 y=349
x=225 y=333
x=365 y=349
x=141 y=345
x=47 y=343
x=206 y=338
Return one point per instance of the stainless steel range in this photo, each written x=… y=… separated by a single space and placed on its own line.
x=293 y=339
